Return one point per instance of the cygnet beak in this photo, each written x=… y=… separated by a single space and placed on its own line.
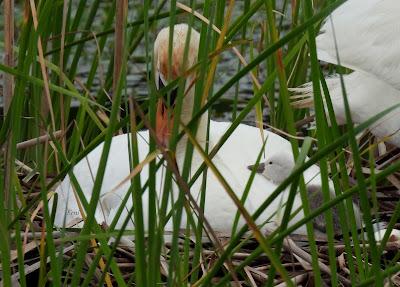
x=259 y=169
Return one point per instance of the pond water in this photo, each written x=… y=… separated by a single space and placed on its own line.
x=136 y=78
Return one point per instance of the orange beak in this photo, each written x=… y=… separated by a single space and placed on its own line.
x=164 y=123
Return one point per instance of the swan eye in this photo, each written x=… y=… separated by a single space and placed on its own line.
x=160 y=81
x=170 y=97
x=160 y=84
x=270 y=162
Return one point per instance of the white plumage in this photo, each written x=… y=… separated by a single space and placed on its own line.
x=279 y=165
x=367 y=37
x=245 y=144
x=241 y=149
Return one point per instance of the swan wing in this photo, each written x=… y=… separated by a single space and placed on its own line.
x=367 y=36
x=367 y=96
x=114 y=186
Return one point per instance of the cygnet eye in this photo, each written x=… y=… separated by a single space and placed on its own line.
x=270 y=162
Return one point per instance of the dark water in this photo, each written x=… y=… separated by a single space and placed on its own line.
x=136 y=76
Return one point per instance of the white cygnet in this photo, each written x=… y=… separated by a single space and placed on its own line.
x=279 y=166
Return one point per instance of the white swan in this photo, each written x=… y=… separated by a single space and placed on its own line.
x=368 y=42
x=242 y=147
x=367 y=38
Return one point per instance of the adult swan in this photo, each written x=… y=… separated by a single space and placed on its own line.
x=363 y=35
x=242 y=148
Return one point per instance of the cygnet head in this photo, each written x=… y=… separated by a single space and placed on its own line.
x=167 y=70
x=277 y=166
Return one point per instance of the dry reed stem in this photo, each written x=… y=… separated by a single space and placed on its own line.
x=220 y=42
x=62 y=111
x=39 y=140
x=47 y=104
x=296 y=280
x=119 y=51
x=291 y=246
x=8 y=52
x=250 y=276
x=32 y=217
x=138 y=168
x=120 y=20
x=8 y=94
x=216 y=29
x=31 y=268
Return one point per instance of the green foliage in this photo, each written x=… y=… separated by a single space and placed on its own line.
x=92 y=107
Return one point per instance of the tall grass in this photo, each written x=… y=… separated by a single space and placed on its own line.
x=46 y=95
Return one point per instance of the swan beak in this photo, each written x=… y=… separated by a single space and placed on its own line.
x=164 y=113
x=259 y=169
x=164 y=123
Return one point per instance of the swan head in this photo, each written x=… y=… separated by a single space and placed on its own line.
x=277 y=167
x=168 y=69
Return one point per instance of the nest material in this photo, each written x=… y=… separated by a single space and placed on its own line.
x=293 y=257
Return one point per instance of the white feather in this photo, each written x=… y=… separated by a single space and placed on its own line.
x=367 y=36
x=368 y=41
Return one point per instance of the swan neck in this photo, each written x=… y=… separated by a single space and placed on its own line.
x=186 y=117
x=201 y=132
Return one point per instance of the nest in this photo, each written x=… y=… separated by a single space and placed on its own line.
x=295 y=256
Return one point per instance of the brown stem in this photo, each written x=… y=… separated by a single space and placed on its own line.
x=8 y=92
